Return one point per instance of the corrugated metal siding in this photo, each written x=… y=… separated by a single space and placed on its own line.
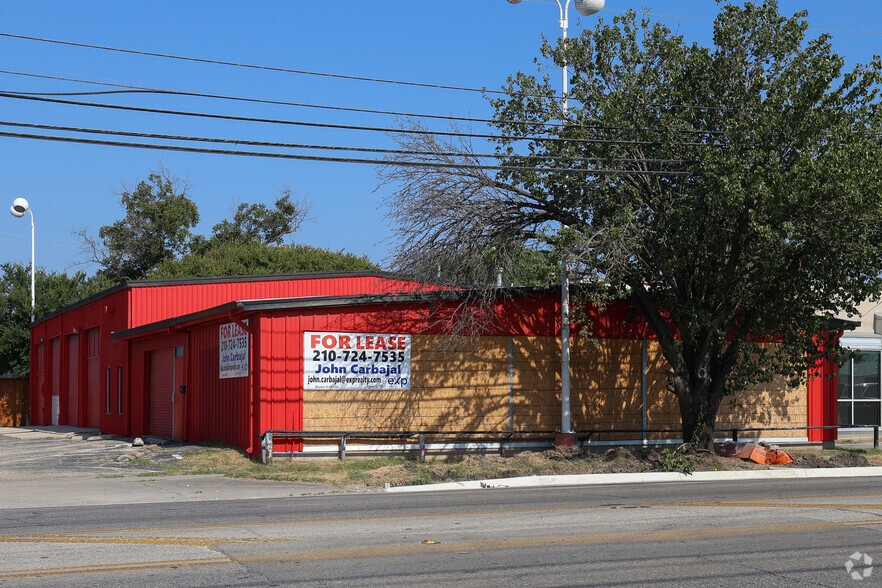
x=135 y=306
x=154 y=303
x=281 y=375
x=822 y=406
x=219 y=410
x=161 y=388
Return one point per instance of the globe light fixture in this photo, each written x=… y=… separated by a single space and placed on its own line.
x=585 y=7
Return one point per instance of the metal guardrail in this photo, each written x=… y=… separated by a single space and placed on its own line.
x=421 y=437
x=502 y=437
x=735 y=430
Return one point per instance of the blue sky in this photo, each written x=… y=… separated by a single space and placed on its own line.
x=469 y=43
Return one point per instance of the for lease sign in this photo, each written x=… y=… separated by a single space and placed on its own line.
x=356 y=361
x=234 y=345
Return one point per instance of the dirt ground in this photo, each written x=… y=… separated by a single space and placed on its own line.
x=574 y=460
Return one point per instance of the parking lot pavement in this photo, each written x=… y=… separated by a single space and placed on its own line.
x=40 y=452
x=66 y=466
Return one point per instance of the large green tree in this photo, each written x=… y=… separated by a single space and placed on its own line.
x=159 y=216
x=236 y=259
x=54 y=290
x=262 y=224
x=155 y=237
x=731 y=192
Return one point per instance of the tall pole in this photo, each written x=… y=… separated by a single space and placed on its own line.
x=33 y=272
x=566 y=425
x=18 y=209
x=586 y=8
x=564 y=10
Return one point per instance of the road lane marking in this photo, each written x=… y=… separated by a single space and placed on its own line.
x=136 y=540
x=472 y=545
x=531 y=542
x=776 y=503
x=122 y=567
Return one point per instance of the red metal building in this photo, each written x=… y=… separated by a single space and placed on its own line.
x=142 y=358
x=81 y=375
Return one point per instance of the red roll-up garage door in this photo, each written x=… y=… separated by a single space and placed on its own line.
x=73 y=380
x=162 y=379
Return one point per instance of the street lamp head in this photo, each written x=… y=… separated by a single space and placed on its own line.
x=19 y=207
x=588 y=7
x=585 y=7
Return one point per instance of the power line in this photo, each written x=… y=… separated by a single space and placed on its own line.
x=125 y=88
x=331 y=147
x=379 y=162
x=387 y=130
x=147 y=90
x=482 y=90
x=252 y=66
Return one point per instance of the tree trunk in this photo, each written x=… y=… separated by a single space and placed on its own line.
x=699 y=402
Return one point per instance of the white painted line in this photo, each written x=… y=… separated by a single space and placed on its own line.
x=635 y=478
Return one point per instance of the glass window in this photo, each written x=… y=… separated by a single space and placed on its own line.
x=858 y=390
x=866 y=413
x=845 y=379
x=866 y=374
x=119 y=388
x=845 y=413
x=108 y=389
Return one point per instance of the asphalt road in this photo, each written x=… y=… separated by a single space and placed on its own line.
x=769 y=533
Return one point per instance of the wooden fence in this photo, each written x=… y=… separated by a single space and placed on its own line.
x=15 y=401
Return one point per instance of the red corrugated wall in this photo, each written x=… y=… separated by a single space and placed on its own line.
x=138 y=305
x=822 y=409
x=108 y=313
x=155 y=303
x=219 y=410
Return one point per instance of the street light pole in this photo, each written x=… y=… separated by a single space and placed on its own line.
x=585 y=8
x=18 y=209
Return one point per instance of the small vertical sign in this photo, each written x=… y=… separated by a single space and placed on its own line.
x=234 y=351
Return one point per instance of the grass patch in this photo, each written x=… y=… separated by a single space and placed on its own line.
x=399 y=471
x=233 y=464
x=376 y=472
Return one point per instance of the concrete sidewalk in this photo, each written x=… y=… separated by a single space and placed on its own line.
x=95 y=491
x=645 y=477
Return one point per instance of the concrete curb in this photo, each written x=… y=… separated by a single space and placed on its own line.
x=636 y=478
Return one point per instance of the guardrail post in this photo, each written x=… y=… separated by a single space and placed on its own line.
x=268 y=448
x=875 y=437
x=508 y=438
x=341 y=452
x=734 y=435
x=422 y=447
